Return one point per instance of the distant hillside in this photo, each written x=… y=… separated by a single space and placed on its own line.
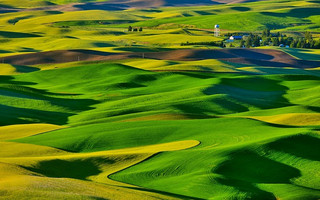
x=110 y=5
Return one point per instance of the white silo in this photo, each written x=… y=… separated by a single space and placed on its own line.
x=217 y=30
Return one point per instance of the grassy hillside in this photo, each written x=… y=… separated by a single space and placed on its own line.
x=112 y=106
x=40 y=3
x=91 y=111
x=105 y=30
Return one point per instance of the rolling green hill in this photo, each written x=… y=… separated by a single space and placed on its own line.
x=106 y=30
x=112 y=106
x=91 y=111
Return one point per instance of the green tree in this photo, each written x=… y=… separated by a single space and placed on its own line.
x=282 y=40
x=266 y=32
x=311 y=44
x=289 y=41
x=242 y=43
x=275 y=41
x=308 y=36
x=249 y=41
x=299 y=45
x=256 y=41
x=317 y=44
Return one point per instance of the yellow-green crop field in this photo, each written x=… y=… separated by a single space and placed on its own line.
x=92 y=111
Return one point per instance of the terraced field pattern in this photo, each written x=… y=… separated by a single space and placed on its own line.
x=91 y=111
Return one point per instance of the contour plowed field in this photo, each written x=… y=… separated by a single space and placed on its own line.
x=260 y=57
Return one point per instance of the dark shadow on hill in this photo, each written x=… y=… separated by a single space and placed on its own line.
x=305 y=53
x=296 y=12
x=124 y=5
x=69 y=103
x=5 y=51
x=252 y=192
x=9 y=34
x=204 y=12
x=17 y=19
x=244 y=169
x=151 y=10
x=308 y=63
x=301 y=64
x=274 y=25
x=258 y=62
x=27 y=49
x=314 y=108
x=210 y=107
x=254 y=91
x=4 y=79
x=117 y=33
x=7 y=10
x=190 y=2
x=59 y=56
x=300 y=77
x=14 y=115
x=196 y=74
x=3 y=6
x=30 y=93
x=303 y=146
x=53 y=12
x=25 y=69
x=71 y=37
x=238 y=8
x=184 y=197
x=102 y=44
x=247 y=53
x=205 y=54
x=215 y=54
x=124 y=86
x=277 y=70
x=141 y=49
x=19 y=112
x=67 y=24
x=77 y=169
x=92 y=52
x=102 y=6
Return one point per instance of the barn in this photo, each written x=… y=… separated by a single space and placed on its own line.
x=235 y=38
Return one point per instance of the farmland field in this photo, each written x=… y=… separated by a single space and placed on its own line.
x=91 y=110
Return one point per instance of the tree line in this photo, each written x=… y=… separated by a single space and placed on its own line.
x=276 y=39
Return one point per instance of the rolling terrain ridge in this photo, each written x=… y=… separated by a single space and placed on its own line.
x=91 y=111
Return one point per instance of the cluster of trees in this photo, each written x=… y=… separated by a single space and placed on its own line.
x=130 y=29
x=267 y=38
x=250 y=41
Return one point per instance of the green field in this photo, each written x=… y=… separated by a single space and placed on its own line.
x=183 y=125
x=106 y=30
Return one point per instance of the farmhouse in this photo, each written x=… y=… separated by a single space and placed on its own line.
x=235 y=38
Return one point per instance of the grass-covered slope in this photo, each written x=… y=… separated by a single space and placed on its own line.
x=281 y=15
x=242 y=153
x=205 y=169
x=114 y=114
x=39 y=172
x=43 y=30
x=114 y=4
